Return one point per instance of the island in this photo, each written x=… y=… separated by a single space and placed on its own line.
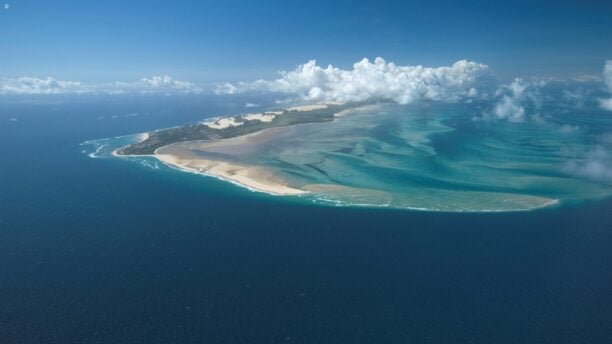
x=209 y=147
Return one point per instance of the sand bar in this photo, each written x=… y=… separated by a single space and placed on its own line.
x=254 y=178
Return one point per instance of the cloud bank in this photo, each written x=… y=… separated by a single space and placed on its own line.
x=370 y=80
x=48 y=85
x=607 y=74
x=366 y=80
x=158 y=84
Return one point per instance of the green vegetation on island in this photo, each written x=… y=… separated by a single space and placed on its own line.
x=202 y=131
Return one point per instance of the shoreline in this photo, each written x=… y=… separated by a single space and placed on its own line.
x=143 y=137
x=253 y=178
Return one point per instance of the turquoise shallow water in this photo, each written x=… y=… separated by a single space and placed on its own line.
x=426 y=156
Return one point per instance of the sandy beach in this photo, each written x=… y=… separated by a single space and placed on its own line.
x=184 y=156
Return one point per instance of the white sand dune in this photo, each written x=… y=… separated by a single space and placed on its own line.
x=262 y=117
x=223 y=123
x=267 y=116
x=307 y=107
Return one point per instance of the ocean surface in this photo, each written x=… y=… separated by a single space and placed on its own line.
x=103 y=250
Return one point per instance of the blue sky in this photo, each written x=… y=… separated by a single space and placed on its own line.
x=229 y=40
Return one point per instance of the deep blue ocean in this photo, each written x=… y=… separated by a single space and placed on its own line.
x=109 y=251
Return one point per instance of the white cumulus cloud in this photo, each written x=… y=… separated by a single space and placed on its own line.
x=597 y=164
x=370 y=80
x=509 y=107
x=513 y=98
x=607 y=74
